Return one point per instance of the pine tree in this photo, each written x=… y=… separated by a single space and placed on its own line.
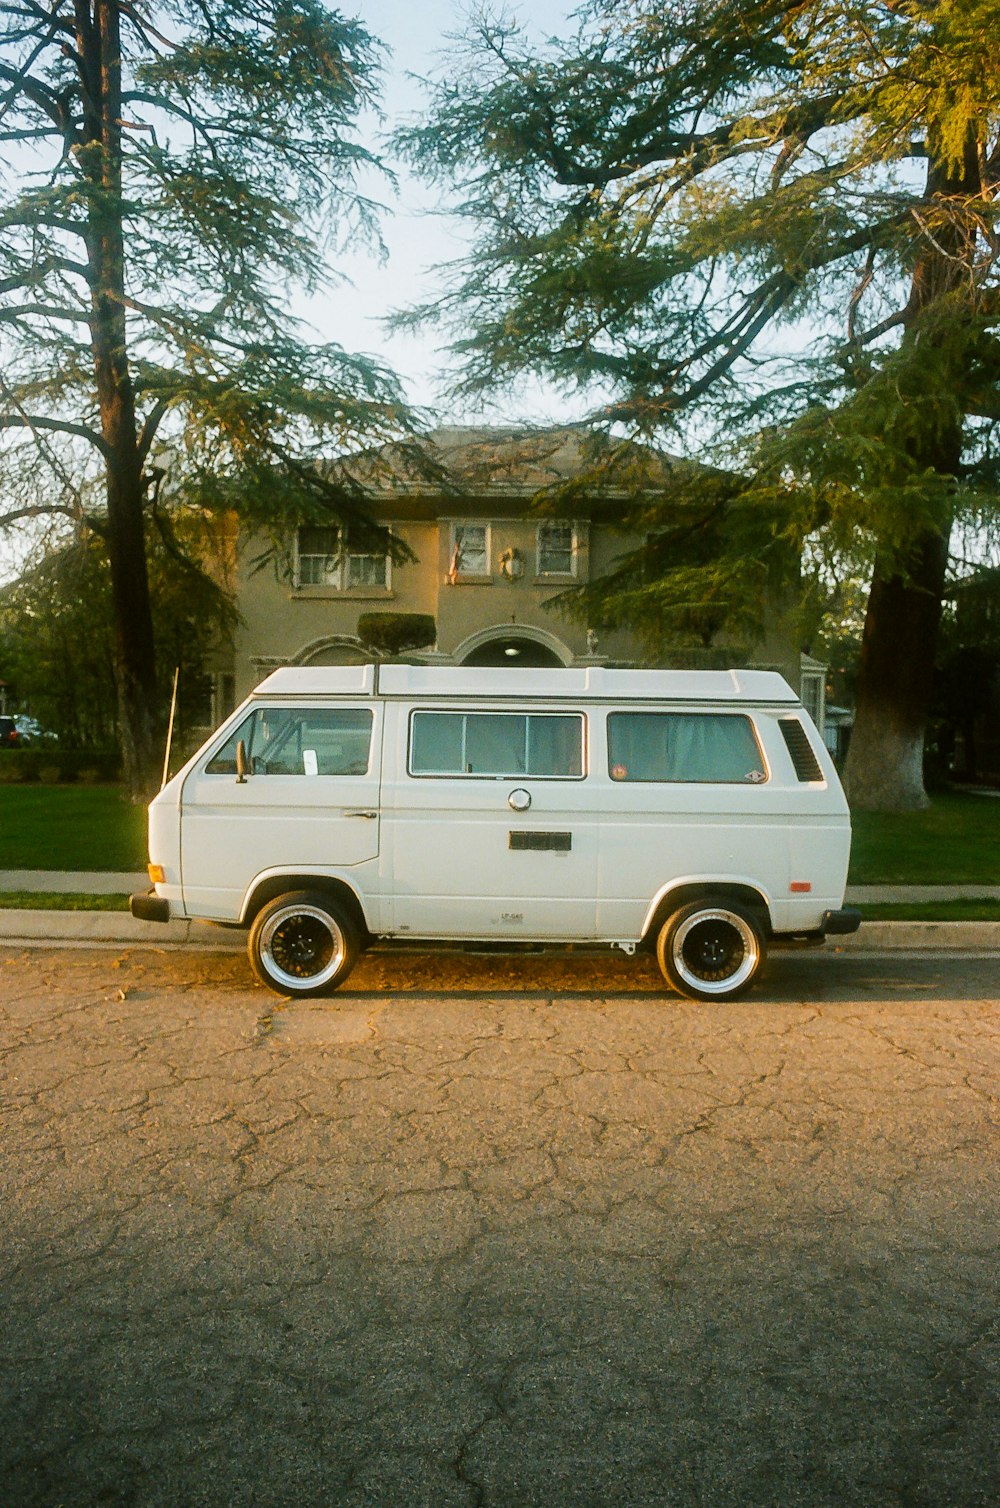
x=767 y=233
x=172 y=171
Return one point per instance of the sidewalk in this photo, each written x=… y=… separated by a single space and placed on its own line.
x=69 y=882
x=33 y=928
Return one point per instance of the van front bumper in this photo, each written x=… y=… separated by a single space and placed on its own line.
x=837 y=923
x=149 y=907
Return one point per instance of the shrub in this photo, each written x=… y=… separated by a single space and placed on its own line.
x=392 y=633
x=17 y=765
x=52 y=766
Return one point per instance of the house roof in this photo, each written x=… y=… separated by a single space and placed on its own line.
x=514 y=462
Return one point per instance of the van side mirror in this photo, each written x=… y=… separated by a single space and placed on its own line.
x=241 y=763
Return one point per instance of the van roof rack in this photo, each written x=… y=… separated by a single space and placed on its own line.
x=586 y=683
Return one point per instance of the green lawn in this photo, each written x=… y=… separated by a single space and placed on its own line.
x=51 y=900
x=955 y=842
x=933 y=911
x=70 y=827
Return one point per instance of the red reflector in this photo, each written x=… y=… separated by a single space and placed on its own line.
x=800 y=886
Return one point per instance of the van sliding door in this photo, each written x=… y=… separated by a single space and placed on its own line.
x=491 y=832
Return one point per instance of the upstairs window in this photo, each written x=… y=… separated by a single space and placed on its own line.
x=324 y=558
x=470 y=551
x=557 y=548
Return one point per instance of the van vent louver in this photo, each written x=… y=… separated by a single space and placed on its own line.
x=798 y=745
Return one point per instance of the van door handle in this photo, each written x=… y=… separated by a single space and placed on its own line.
x=369 y=815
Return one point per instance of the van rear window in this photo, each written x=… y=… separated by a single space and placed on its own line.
x=299 y=741
x=545 y=745
x=698 y=747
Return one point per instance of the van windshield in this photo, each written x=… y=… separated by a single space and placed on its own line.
x=299 y=741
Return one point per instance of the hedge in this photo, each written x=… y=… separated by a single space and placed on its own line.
x=58 y=766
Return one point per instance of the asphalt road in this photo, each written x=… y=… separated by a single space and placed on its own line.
x=497 y=1232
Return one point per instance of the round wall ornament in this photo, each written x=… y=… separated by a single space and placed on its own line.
x=512 y=564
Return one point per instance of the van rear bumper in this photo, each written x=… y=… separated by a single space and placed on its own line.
x=149 y=907
x=837 y=923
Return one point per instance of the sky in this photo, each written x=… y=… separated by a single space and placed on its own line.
x=417 y=231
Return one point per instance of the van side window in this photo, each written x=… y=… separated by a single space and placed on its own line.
x=545 y=745
x=700 y=747
x=299 y=741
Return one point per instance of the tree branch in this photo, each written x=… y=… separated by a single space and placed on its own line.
x=37 y=510
x=59 y=426
x=44 y=311
x=150 y=426
x=707 y=148
x=46 y=99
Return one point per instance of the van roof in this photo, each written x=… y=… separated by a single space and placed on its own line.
x=591 y=683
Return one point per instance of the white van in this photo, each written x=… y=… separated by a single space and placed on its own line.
x=697 y=813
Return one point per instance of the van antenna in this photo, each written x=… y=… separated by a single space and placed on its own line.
x=170 y=728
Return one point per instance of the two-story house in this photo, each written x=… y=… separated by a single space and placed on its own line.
x=485 y=566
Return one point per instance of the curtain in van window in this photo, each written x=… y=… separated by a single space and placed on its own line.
x=678 y=746
x=494 y=745
x=555 y=745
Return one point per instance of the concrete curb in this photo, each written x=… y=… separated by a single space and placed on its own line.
x=115 y=928
x=118 y=928
x=875 y=937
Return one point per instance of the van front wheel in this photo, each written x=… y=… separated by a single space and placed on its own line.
x=304 y=943
x=711 y=949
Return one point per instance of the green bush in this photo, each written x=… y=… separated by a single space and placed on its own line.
x=393 y=633
x=58 y=766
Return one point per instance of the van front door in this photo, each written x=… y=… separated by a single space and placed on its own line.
x=490 y=833
x=310 y=802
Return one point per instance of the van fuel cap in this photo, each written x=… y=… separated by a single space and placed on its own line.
x=519 y=800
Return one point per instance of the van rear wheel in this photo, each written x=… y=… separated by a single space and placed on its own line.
x=304 y=943
x=711 y=949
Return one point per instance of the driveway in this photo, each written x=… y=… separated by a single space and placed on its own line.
x=478 y=1232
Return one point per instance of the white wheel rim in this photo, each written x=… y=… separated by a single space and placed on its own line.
x=712 y=961
x=301 y=947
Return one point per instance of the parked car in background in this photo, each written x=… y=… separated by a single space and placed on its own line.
x=30 y=731
x=10 y=736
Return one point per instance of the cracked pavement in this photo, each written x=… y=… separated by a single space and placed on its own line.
x=499 y=1232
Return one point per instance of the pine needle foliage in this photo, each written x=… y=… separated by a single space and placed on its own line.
x=171 y=175
x=766 y=233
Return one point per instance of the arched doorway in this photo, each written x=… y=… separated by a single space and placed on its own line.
x=516 y=647
x=338 y=649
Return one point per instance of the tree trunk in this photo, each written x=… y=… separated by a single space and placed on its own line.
x=884 y=768
x=135 y=666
